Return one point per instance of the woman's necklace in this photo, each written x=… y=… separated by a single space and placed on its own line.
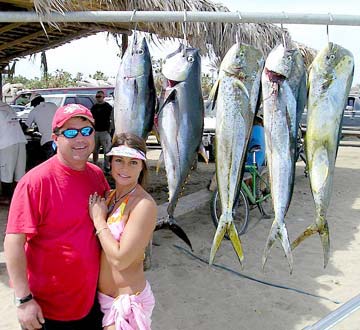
x=111 y=207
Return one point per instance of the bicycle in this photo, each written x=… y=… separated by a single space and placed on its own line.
x=254 y=193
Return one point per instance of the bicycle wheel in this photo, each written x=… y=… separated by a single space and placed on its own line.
x=240 y=211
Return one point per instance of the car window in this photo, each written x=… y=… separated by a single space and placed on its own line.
x=70 y=100
x=357 y=104
x=85 y=101
x=55 y=99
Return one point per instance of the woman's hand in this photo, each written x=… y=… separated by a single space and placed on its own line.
x=98 y=210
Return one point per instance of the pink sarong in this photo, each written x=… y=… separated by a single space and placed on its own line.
x=128 y=312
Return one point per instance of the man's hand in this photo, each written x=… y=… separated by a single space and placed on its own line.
x=30 y=315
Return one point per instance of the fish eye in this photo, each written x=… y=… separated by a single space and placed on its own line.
x=140 y=52
x=190 y=59
x=241 y=54
x=289 y=57
x=332 y=57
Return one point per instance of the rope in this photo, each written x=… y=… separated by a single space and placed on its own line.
x=253 y=278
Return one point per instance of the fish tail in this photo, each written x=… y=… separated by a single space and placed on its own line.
x=170 y=223
x=321 y=226
x=226 y=225
x=278 y=231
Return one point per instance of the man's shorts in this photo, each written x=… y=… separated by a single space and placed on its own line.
x=12 y=163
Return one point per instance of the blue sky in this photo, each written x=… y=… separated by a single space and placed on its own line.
x=98 y=52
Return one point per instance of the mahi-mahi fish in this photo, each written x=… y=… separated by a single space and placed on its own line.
x=280 y=125
x=180 y=123
x=330 y=80
x=135 y=95
x=236 y=94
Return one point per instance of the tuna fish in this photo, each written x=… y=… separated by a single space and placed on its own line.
x=180 y=124
x=297 y=82
x=135 y=95
x=280 y=124
x=236 y=94
x=330 y=81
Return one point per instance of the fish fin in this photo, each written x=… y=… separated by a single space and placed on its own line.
x=135 y=98
x=155 y=132
x=324 y=237
x=159 y=162
x=202 y=152
x=170 y=223
x=170 y=98
x=278 y=231
x=226 y=225
x=214 y=93
x=242 y=86
x=301 y=99
x=235 y=241
x=219 y=236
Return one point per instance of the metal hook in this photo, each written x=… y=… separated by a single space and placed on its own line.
x=183 y=24
x=237 y=36
x=327 y=33
x=135 y=34
x=283 y=34
x=327 y=27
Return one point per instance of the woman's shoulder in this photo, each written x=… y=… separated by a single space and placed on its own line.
x=144 y=200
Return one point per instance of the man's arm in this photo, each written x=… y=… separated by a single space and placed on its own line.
x=29 y=314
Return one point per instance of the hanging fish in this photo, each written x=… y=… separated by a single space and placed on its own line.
x=297 y=82
x=330 y=80
x=180 y=124
x=280 y=125
x=135 y=95
x=236 y=95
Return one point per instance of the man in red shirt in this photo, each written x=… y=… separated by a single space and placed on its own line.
x=51 y=251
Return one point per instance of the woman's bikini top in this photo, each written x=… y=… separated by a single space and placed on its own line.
x=115 y=222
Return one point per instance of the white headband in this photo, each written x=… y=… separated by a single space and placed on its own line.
x=126 y=152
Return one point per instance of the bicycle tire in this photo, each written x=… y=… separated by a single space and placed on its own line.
x=240 y=211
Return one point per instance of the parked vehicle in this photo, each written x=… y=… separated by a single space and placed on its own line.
x=208 y=139
x=60 y=100
x=351 y=117
x=25 y=95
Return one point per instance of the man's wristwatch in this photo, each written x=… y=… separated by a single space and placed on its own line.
x=23 y=300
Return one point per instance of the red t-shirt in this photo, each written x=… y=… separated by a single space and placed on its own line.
x=50 y=205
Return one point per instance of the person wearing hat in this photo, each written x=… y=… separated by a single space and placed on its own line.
x=124 y=224
x=52 y=254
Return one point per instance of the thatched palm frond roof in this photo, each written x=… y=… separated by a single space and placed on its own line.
x=21 y=39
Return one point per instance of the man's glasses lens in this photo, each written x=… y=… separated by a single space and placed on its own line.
x=73 y=132
x=98 y=96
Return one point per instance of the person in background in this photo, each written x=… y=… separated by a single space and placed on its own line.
x=12 y=152
x=257 y=139
x=42 y=115
x=124 y=224
x=102 y=112
x=51 y=252
x=23 y=99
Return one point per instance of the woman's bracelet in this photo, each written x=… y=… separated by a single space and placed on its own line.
x=100 y=230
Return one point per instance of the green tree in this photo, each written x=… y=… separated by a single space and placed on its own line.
x=98 y=75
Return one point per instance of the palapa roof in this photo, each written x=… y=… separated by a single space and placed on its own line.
x=21 y=39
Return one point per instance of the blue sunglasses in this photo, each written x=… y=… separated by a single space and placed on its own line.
x=71 y=133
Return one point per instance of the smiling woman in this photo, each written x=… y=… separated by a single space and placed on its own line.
x=128 y=215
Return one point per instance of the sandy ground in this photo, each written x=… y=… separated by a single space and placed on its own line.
x=192 y=295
